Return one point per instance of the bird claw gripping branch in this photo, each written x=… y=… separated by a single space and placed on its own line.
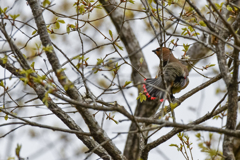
x=175 y=75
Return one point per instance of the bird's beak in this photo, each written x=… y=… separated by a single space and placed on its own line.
x=154 y=51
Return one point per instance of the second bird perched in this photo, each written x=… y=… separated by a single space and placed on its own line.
x=175 y=75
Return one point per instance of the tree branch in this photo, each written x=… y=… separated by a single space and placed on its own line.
x=228 y=150
x=174 y=131
x=97 y=132
x=41 y=92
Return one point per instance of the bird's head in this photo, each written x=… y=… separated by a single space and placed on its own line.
x=164 y=50
x=166 y=55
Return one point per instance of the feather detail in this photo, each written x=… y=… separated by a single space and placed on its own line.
x=175 y=75
x=151 y=88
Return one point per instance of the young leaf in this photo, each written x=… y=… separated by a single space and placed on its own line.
x=150 y=2
x=131 y=1
x=185 y=46
x=95 y=70
x=61 y=21
x=195 y=34
x=141 y=60
x=49 y=31
x=173 y=145
x=99 y=6
x=170 y=2
x=110 y=33
x=207 y=66
x=57 y=24
x=190 y=28
x=35 y=31
x=127 y=83
x=173 y=105
x=184 y=31
x=6 y=117
x=141 y=97
x=229 y=8
x=14 y=16
x=99 y=61
x=4 y=59
x=45 y=3
x=68 y=29
x=119 y=46
x=116 y=68
x=217 y=6
x=81 y=9
x=198 y=135
x=48 y=48
x=202 y=24
x=1 y=84
x=3 y=10
x=32 y=65
x=17 y=150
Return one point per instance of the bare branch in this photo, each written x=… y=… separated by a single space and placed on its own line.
x=27 y=122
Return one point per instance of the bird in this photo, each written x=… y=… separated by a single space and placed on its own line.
x=174 y=73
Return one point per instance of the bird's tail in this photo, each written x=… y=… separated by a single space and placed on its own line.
x=154 y=88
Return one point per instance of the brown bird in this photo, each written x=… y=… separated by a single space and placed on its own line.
x=175 y=75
